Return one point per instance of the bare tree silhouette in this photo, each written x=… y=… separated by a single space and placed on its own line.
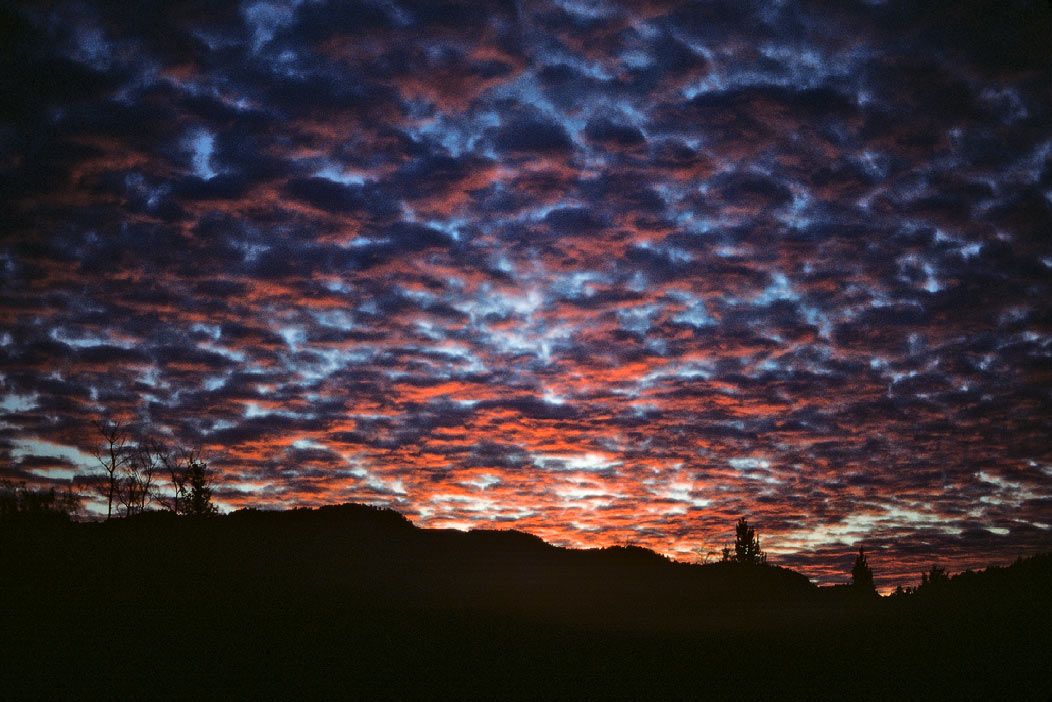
x=135 y=489
x=175 y=467
x=112 y=455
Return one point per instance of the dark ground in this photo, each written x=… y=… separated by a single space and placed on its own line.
x=354 y=602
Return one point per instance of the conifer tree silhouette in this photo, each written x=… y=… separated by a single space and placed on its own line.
x=746 y=544
x=861 y=573
x=197 y=490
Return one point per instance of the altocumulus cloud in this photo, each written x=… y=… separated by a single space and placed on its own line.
x=605 y=272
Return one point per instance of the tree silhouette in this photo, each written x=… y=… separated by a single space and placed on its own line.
x=746 y=545
x=112 y=455
x=935 y=579
x=861 y=574
x=21 y=502
x=135 y=489
x=176 y=465
x=197 y=489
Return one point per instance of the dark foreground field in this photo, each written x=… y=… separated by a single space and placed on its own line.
x=353 y=602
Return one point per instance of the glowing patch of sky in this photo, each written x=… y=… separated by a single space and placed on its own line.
x=202 y=144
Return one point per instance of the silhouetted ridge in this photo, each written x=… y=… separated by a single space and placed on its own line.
x=1026 y=578
x=507 y=540
x=349 y=515
x=634 y=555
x=354 y=599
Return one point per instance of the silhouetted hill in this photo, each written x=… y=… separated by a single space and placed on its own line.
x=357 y=601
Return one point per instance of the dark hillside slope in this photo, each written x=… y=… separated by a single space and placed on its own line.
x=352 y=600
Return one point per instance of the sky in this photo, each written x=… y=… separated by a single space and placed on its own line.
x=604 y=272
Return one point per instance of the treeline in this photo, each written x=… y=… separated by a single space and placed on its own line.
x=18 y=502
x=137 y=472
x=144 y=471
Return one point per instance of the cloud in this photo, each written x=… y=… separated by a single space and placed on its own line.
x=607 y=274
x=525 y=136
